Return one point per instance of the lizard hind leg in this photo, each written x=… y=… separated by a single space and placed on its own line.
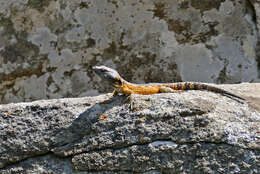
x=164 y=89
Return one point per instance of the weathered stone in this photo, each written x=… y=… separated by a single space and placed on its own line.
x=187 y=132
x=169 y=157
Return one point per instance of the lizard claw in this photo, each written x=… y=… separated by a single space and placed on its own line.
x=129 y=99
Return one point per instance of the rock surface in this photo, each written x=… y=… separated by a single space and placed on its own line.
x=188 y=132
x=47 y=48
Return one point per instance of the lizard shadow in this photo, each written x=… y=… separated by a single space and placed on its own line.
x=82 y=125
x=235 y=99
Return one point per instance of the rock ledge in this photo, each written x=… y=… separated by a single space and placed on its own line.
x=188 y=132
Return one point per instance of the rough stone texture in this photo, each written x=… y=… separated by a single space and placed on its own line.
x=189 y=132
x=47 y=48
x=256 y=16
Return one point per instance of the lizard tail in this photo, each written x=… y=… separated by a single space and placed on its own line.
x=201 y=86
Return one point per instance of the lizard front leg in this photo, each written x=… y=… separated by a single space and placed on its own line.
x=129 y=98
x=115 y=93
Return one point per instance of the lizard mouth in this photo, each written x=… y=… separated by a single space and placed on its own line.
x=96 y=68
x=102 y=72
x=107 y=74
x=99 y=71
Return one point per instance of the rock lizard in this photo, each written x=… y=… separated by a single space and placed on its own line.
x=125 y=87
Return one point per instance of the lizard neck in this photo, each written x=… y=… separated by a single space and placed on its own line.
x=123 y=86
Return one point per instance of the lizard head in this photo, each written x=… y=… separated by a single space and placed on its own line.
x=108 y=74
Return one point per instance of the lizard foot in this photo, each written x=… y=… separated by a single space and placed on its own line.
x=129 y=100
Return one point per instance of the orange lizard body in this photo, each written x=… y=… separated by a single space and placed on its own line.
x=124 y=87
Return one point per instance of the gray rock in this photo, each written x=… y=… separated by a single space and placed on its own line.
x=187 y=132
x=47 y=48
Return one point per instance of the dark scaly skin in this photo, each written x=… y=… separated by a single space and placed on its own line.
x=122 y=86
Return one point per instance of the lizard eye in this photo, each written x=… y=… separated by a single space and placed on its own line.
x=118 y=83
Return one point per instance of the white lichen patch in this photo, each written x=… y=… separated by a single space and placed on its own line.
x=43 y=38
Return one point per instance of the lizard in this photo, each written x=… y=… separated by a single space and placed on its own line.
x=124 y=87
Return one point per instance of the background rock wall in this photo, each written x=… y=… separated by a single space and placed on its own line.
x=47 y=48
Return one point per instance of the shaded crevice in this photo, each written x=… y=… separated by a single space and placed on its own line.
x=115 y=170
x=10 y=163
x=119 y=147
x=193 y=112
